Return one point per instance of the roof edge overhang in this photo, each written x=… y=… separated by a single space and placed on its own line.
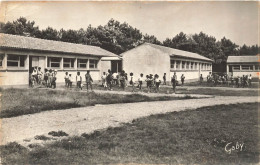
x=228 y=62
x=208 y=60
x=49 y=51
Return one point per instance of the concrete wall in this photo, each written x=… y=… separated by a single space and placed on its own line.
x=147 y=60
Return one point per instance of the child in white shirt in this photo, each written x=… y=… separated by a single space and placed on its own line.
x=79 y=81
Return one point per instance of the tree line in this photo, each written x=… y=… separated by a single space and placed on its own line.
x=119 y=37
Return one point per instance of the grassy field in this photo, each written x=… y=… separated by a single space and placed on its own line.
x=187 y=137
x=16 y=102
x=217 y=92
x=185 y=90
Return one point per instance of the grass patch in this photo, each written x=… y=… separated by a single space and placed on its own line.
x=187 y=137
x=218 y=92
x=42 y=137
x=16 y=102
x=203 y=91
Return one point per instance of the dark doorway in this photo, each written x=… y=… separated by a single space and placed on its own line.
x=116 y=66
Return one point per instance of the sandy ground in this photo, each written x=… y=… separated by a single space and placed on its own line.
x=76 y=121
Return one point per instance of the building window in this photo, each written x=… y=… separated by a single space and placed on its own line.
x=257 y=67
x=247 y=67
x=68 y=63
x=202 y=66
x=1 y=60
x=187 y=65
x=236 y=67
x=172 y=64
x=195 y=66
x=183 y=65
x=82 y=63
x=93 y=63
x=191 y=65
x=178 y=64
x=54 y=62
x=15 y=60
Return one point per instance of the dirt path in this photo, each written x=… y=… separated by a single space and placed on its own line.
x=87 y=119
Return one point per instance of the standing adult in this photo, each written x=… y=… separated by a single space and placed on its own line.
x=89 y=80
x=250 y=80
x=182 y=79
x=174 y=81
x=109 y=79
x=131 y=82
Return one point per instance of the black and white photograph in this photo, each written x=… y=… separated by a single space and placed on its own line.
x=129 y=82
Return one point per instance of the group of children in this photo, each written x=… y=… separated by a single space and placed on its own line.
x=109 y=79
x=47 y=79
x=121 y=80
x=68 y=80
x=243 y=81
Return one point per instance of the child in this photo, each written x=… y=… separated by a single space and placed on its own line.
x=174 y=80
x=79 y=80
x=157 y=82
x=232 y=80
x=54 y=78
x=34 y=74
x=109 y=79
x=104 y=82
x=66 y=78
x=126 y=79
x=250 y=80
x=131 y=82
x=31 y=81
x=69 y=81
x=114 y=75
x=46 y=77
x=201 y=78
x=39 y=75
x=164 y=79
x=182 y=79
x=89 y=80
x=140 y=80
x=49 y=78
x=151 y=80
x=122 y=79
x=148 y=83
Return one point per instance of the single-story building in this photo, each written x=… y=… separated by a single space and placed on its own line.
x=243 y=65
x=155 y=59
x=18 y=54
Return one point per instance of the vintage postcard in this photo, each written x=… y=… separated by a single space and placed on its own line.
x=129 y=82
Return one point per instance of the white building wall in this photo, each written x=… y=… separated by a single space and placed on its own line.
x=14 y=78
x=104 y=66
x=147 y=60
x=94 y=74
x=241 y=73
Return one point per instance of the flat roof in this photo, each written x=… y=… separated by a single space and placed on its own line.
x=242 y=59
x=30 y=43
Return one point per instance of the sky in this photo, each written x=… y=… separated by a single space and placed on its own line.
x=237 y=21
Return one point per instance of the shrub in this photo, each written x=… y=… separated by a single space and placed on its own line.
x=58 y=134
